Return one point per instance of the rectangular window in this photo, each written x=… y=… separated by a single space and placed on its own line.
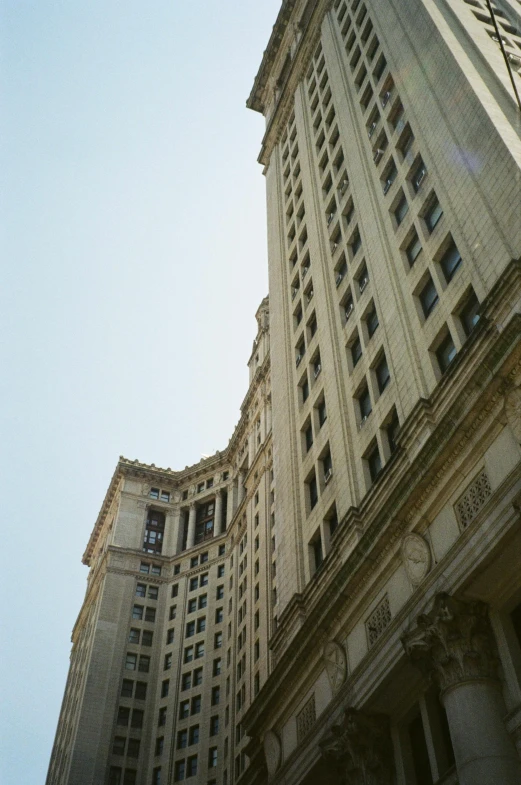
x=197 y=677
x=212 y=757
x=153 y=592
x=216 y=696
x=218 y=640
x=313 y=492
x=118 y=745
x=154 y=530
x=161 y=719
x=168 y=662
x=160 y=743
x=445 y=353
x=374 y=463
x=123 y=716
x=175 y=590
x=184 y=709
x=188 y=654
x=141 y=590
x=173 y=612
x=186 y=681
x=413 y=249
x=165 y=687
x=433 y=213
x=364 y=401
x=220 y=571
x=450 y=261
x=428 y=297
x=192 y=605
x=217 y=666
x=372 y=322
x=137 y=612
x=356 y=351
x=218 y=615
x=203 y=580
x=130 y=662
x=193 y=736
x=191 y=766
x=179 y=771
x=156 y=776
x=199 y=650
x=401 y=210
x=308 y=437
x=137 y=718
x=150 y=614
x=203 y=601
x=146 y=638
x=214 y=725
x=127 y=688
x=190 y=629
x=201 y=624
x=469 y=314
x=133 y=636
x=196 y=704
x=194 y=583
x=383 y=376
x=141 y=690
x=170 y=636
x=145 y=568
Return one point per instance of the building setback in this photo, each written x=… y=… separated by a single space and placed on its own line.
x=336 y=597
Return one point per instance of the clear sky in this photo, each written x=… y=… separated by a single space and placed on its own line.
x=133 y=248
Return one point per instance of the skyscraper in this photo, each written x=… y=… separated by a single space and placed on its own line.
x=338 y=593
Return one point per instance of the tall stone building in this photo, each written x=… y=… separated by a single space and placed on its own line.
x=336 y=597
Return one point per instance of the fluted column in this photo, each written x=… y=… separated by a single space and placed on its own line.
x=217 y=523
x=360 y=748
x=190 y=539
x=454 y=646
x=241 y=488
x=230 y=504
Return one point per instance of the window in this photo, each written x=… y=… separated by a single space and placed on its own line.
x=428 y=297
x=186 y=681
x=179 y=771
x=141 y=690
x=216 y=696
x=190 y=629
x=204 y=521
x=218 y=640
x=364 y=401
x=150 y=614
x=197 y=677
x=222 y=548
x=363 y=279
x=170 y=636
x=469 y=314
x=218 y=615
x=200 y=487
x=418 y=175
x=374 y=463
x=160 y=743
x=154 y=493
x=401 y=210
x=175 y=590
x=165 y=687
x=392 y=431
x=305 y=390
x=130 y=662
x=141 y=590
x=313 y=492
x=165 y=496
x=194 y=584
x=127 y=688
x=220 y=571
x=195 y=705
x=433 y=213
x=201 y=624
x=133 y=636
x=189 y=654
x=156 y=776
x=450 y=261
x=193 y=736
x=199 y=650
x=202 y=601
x=308 y=437
x=146 y=638
x=168 y=662
x=161 y=720
x=115 y=775
x=194 y=561
x=217 y=667
x=154 y=530
x=184 y=709
x=214 y=725
x=256 y=651
x=137 y=718
x=327 y=466
x=173 y=611
x=203 y=580
x=123 y=715
x=383 y=377
x=317 y=365
x=191 y=766
x=137 y=612
x=413 y=249
x=322 y=413
x=220 y=593
x=445 y=353
x=356 y=351
x=177 y=569
x=144 y=663
x=118 y=745
x=212 y=757
x=316 y=547
x=145 y=568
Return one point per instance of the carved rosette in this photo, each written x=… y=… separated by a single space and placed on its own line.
x=272 y=751
x=335 y=661
x=416 y=557
x=361 y=748
x=453 y=643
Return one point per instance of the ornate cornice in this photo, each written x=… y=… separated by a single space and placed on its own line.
x=453 y=643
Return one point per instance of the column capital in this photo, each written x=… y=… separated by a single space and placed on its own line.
x=453 y=643
x=361 y=748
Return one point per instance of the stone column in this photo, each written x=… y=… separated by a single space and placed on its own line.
x=172 y=526
x=453 y=645
x=360 y=748
x=241 y=488
x=217 y=521
x=230 y=507
x=190 y=540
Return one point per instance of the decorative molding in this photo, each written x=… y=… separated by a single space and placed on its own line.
x=417 y=558
x=473 y=499
x=335 y=660
x=453 y=643
x=306 y=718
x=361 y=748
x=513 y=411
x=272 y=751
x=378 y=621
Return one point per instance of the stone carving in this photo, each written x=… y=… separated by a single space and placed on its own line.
x=416 y=556
x=474 y=498
x=177 y=496
x=145 y=488
x=336 y=664
x=272 y=751
x=378 y=621
x=360 y=748
x=513 y=411
x=453 y=642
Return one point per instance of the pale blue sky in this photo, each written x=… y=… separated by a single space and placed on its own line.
x=133 y=260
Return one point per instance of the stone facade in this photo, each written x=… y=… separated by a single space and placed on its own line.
x=357 y=544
